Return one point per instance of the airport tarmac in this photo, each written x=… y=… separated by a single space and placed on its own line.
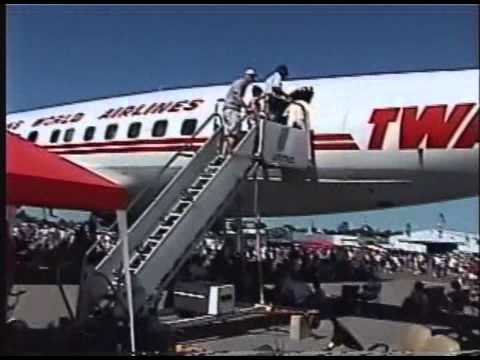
x=367 y=330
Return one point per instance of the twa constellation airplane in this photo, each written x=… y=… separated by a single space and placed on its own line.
x=379 y=140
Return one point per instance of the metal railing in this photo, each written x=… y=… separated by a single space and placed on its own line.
x=218 y=125
x=161 y=172
x=175 y=157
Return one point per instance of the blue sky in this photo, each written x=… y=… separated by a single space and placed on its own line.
x=61 y=54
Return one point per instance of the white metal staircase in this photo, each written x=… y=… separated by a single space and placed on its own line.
x=158 y=259
x=94 y=288
x=163 y=237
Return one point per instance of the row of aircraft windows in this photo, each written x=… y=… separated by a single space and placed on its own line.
x=159 y=129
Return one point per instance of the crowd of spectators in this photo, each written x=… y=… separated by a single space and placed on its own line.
x=42 y=246
x=366 y=264
x=343 y=263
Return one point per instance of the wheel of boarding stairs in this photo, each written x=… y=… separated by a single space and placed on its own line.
x=413 y=338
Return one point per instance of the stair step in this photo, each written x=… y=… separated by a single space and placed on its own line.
x=146 y=248
x=187 y=198
x=160 y=232
x=156 y=236
x=185 y=154
x=171 y=219
x=200 y=184
x=217 y=162
x=180 y=208
x=135 y=263
x=211 y=170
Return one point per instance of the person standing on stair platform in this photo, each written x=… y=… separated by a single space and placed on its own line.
x=277 y=99
x=256 y=115
x=256 y=106
x=232 y=109
x=297 y=113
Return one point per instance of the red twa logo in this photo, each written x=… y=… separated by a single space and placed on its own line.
x=433 y=123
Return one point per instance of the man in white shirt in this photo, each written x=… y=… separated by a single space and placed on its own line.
x=277 y=99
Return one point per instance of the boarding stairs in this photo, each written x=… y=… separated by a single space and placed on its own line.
x=162 y=239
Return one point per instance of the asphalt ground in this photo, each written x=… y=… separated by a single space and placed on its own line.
x=42 y=304
x=367 y=330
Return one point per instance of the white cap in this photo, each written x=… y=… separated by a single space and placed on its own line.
x=250 y=71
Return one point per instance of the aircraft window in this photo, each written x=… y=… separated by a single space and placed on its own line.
x=111 y=131
x=68 y=135
x=33 y=136
x=188 y=127
x=89 y=133
x=55 y=135
x=160 y=128
x=134 y=130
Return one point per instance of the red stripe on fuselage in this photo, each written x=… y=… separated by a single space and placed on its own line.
x=128 y=143
x=182 y=144
x=330 y=137
x=173 y=148
x=336 y=146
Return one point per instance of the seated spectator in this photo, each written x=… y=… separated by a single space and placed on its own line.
x=457 y=298
x=294 y=290
x=416 y=304
x=371 y=290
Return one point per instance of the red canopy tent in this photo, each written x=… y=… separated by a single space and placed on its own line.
x=37 y=177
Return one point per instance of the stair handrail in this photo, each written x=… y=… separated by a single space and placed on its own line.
x=174 y=157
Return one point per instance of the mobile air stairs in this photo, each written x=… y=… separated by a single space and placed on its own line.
x=163 y=237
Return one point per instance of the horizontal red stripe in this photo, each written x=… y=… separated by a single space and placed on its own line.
x=336 y=146
x=332 y=137
x=179 y=144
x=172 y=148
x=320 y=137
x=342 y=146
x=129 y=142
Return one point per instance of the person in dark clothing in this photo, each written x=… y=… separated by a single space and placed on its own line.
x=371 y=290
x=457 y=298
x=92 y=227
x=416 y=304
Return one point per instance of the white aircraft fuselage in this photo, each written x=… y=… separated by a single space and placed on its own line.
x=380 y=140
